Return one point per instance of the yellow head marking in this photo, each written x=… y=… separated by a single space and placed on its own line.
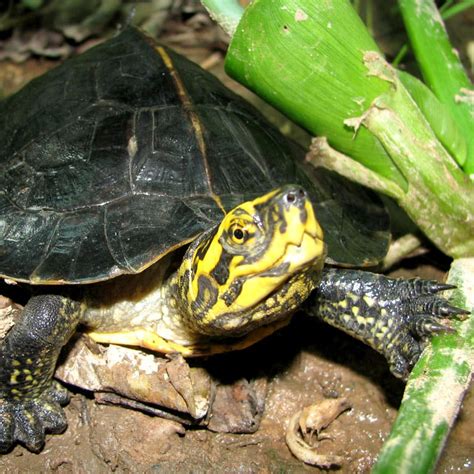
x=259 y=246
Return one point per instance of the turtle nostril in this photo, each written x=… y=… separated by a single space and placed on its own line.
x=295 y=196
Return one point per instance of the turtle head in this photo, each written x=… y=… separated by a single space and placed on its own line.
x=255 y=267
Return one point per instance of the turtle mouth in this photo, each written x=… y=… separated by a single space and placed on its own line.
x=298 y=256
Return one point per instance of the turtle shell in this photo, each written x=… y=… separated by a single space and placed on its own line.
x=129 y=151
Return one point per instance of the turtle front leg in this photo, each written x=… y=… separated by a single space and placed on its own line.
x=30 y=401
x=393 y=316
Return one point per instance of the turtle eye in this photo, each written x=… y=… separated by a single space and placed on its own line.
x=239 y=235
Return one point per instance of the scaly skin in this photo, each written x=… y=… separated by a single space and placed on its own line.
x=392 y=316
x=243 y=278
x=30 y=402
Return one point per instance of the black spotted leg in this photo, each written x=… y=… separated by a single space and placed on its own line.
x=30 y=401
x=393 y=316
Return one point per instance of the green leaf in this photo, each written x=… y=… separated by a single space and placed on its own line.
x=456 y=9
x=441 y=67
x=438 y=115
x=435 y=390
x=297 y=57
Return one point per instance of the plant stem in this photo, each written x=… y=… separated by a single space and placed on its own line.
x=435 y=390
x=400 y=55
x=449 y=11
x=399 y=249
x=437 y=194
x=440 y=65
x=446 y=12
x=226 y=13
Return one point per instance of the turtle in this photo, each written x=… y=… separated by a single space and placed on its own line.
x=145 y=202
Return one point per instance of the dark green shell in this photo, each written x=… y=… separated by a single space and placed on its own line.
x=125 y=153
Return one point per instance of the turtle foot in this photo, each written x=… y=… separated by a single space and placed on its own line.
x=27 y=420
x=423 y=313
x=396 y=317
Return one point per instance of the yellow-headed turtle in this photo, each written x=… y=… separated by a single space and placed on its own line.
x=120 y=156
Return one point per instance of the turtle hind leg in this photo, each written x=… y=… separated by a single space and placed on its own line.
x=393 y=316
x=30 y=400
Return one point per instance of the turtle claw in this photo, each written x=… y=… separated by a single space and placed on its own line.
x=424 y=313
x=427 y=325
x=419 y=286
x=27 y=421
